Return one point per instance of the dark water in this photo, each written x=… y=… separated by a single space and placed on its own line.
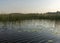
x=30 y=31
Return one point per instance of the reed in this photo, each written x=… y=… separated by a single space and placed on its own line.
x=19 y=16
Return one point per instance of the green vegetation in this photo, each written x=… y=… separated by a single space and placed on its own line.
x=19 y=16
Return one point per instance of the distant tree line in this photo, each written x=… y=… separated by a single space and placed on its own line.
x=20 y=16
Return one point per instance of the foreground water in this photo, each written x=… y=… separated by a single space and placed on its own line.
x=30 y=31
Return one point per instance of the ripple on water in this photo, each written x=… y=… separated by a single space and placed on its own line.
x=30 y=31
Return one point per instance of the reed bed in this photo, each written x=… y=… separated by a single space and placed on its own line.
x=30 y=16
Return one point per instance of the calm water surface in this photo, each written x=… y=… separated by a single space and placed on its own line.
x=30 y=31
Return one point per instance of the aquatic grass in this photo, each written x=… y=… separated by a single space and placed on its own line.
x=19 y=16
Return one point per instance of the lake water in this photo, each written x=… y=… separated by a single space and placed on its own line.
x=30 y=31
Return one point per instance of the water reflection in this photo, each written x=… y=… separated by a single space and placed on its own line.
x=30 y=31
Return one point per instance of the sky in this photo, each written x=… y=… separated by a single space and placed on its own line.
x=29 y=6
